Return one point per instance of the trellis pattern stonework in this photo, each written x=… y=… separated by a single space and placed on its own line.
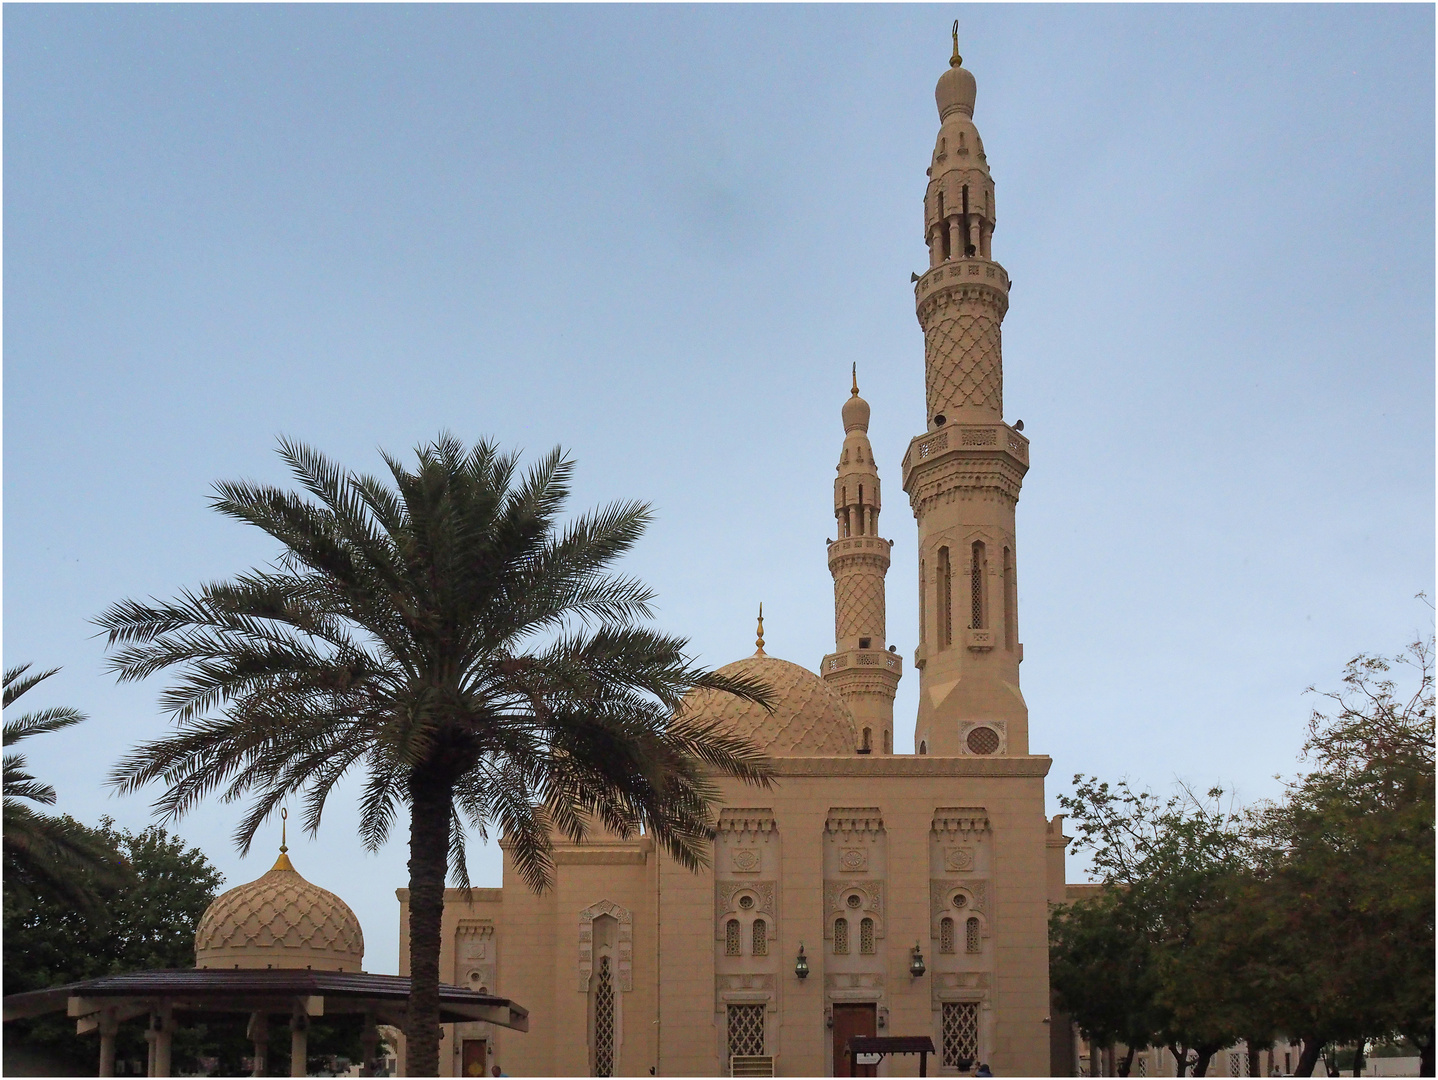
x=624 y=946
x=604 y=1021
x=960 y=1032
x=281 y=910
x=746 y=1030
x=859 y=606
x=963 y=361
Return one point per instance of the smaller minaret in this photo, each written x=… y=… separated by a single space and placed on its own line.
x=862 y=669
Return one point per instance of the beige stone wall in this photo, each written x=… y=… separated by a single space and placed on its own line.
x=678 y=977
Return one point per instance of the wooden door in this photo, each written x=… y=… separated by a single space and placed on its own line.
x=851 y=1020
x=473 y=1057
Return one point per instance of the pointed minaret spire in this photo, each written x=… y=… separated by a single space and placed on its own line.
x=759 y=638
x=956 y=60
x=864 y=674
x=283 y=862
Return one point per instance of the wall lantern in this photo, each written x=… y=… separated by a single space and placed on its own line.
x=916 y=962
x=801 y=965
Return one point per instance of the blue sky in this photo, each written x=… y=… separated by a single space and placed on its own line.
x=659 y=236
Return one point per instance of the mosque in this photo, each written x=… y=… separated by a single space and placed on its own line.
x=867 y=893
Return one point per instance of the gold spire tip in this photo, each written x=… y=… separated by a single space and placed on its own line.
x=956 y=59
x=283 y=862
x=856 y=379
x=759 y=640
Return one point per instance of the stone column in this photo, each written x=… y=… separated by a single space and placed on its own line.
x=369 y=1040
x=956 y=243
x=258 y=1032
x=299 y=1042
x=164 y=1040
x=150 y=1035
x=109 y=1028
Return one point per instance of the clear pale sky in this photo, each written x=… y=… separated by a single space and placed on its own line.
x=659 y=237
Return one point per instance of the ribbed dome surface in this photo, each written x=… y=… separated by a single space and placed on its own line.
x=282 y=921
x=808 y=717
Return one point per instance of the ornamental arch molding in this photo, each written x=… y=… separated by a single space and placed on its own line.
x=623 y=950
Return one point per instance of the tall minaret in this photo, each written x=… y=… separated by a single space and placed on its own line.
x=963 y=475
x=860 y=669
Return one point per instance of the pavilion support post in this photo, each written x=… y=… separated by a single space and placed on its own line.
x=369 y=1041
x=299 y=1042
x=258 y=1032
x=150 y=1035
x=109 y=1028
x=164 y=1040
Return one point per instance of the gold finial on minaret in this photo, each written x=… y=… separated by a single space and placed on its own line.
x=283 y=862
x=759 y=641
x=956 y=59
x=855 y=391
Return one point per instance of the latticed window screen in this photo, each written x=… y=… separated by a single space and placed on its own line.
x=761 y=938
x=731 y=938
x=983 y=740
x=946 y=601
x=604 y=1020
x=971 y=936
x=946 y=935
x=841 y=936
x=961 y=1032
x=1143 y=1066
x=976 y=587
x=866 y=937
x=1235 y=1064
x=746 y=1030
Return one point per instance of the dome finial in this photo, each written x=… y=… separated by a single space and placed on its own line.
x=759 y=641
x=956 y=59
x=283 y=862
x=855 y=391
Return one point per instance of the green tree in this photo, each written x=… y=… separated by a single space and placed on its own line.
x=1337 y=927
x=1102 y=972
x=1165 y=862
x=44 y=853
x=147 y=921
x=448 y=638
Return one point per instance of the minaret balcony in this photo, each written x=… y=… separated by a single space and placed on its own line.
x=859 y=547
x=960 y=272
x=863 y=661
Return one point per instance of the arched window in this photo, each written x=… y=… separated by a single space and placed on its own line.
x=946 y=935
x=731 y=938
x=861 y=529
x=923 y=748
x=887 y=747
x=761 y=938
x=923 y=604
x=1011 y=603
x=971 y=935
x=868 y=742
x=976 y=586
x=866 y=937
x=945 y=600
x=841 y=936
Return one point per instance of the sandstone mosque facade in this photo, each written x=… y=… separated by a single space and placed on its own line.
x=915 y=887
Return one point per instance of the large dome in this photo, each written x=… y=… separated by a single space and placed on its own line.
x=808 y=717
x=279 y=921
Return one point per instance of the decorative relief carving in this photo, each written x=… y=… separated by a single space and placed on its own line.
x=979 y=437
x=960 y=821
x=854 y=860
x=765 y=894
x=474 y=954
x=873 y=893
x=744 y=861
x=624 y=946
x=941 y=890
x=858 y=821
x=756 y=987
x=958 y=859
x=742 y=820
x=845 y=985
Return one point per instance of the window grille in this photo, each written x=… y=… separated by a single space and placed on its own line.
x=946 y=600
x=983 y=740
x=731 y=938
x=961 y=1032
x=604 y=1021
x=976 y=586
x=841 y=937
x=1235 y=1064
x=971 y=935
x=761 y=938
x=1143 y=1066
x=946 y=935
x=746 y=1030
x=866 y=937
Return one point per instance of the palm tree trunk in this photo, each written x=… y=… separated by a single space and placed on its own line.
x=430 y=803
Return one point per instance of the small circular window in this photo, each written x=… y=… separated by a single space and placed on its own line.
x=961 y=900
x=854 y=901
x=983 y=740
x=746 y=902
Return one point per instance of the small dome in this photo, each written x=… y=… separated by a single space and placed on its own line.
x=856 y=413
x=808 y=717
x=956 y=90
x=282 y=921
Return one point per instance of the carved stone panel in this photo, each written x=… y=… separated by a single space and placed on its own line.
x=766 y=896
x=854 y=985
x=475 y=955
x=744 y=861
x=756 y=987
x=958 y=859
x=939 y=897
x=854 y=860
x=873 y=903
x=624 y=947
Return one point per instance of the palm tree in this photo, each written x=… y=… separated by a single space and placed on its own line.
x=448 y=639
x=44 y=852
